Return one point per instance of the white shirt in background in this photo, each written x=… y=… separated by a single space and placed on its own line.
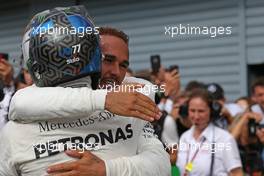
x=234 y=109
x=226 y=152
x=257 y=109
x=4 y=105
x=170 y=134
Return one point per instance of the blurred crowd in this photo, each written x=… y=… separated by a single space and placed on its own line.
x=9 y=84
x=243 y=118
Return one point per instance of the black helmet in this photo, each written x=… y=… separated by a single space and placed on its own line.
x=60 y=45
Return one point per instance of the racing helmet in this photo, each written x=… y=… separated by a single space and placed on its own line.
x=61 y=45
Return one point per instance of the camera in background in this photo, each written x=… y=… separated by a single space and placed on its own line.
x=156 y=64
x=253 y=126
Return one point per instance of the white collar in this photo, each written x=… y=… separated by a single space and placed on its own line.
x=82 y=82
x=207 y=133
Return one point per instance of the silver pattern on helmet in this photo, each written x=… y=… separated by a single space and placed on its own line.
x=54 y=56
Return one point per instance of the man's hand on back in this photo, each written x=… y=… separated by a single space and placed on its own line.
x=128 y=102
x=87 y=165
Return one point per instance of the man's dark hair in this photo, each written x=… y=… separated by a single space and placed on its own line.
x=115 y=32
x=258 y=82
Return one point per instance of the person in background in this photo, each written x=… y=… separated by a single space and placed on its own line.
x=257 y=90
x=169 y=83
x=175 y=123
x=260 y=135
x=218 y=94
x=244 y=102
x=7 y=89
x=248 y=133
x=191 y=85
x=199 y=152
x=228 y=110
x=173 y=151
x=23 y=79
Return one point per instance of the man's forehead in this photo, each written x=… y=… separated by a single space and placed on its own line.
x=259 y=88
x=104 y=44
x=109 y=39
x=114 y=45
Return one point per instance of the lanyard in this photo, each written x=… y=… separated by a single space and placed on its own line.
x=189 y=165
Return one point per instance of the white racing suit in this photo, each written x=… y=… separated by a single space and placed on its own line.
x=127 y=145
